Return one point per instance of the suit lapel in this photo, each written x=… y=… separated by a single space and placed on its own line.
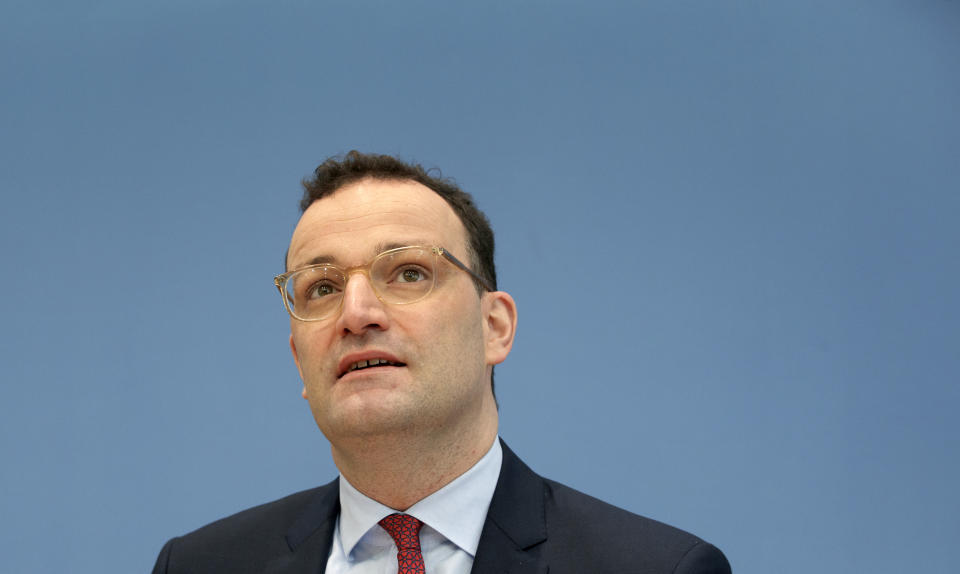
x=510 y=542
x=310 y=536
x=516 y=522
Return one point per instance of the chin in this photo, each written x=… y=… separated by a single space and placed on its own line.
x=367 y=420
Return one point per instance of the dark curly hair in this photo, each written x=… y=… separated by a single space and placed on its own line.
x=339 y=171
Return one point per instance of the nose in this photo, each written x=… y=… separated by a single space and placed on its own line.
x=361 y=309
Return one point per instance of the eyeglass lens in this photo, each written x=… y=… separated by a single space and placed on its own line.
x=398 y=276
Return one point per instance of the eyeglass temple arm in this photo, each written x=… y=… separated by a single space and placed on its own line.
x=278 y=282
x=483 y=282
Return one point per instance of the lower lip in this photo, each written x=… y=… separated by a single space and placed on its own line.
x=369 y=371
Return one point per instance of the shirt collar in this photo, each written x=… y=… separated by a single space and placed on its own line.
x=457 y=511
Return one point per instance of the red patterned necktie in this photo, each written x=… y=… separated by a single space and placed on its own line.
x=405 y=531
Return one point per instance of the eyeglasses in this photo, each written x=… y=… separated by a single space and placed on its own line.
x=398 y=277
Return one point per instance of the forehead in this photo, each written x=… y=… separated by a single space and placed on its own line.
x=349 y=225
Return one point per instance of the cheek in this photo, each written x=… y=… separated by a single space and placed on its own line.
x=460 y=341
x=312 y=348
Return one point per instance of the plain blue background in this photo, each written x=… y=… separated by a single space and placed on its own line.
x=731 y=229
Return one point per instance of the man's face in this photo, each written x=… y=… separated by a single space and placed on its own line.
x=438 y=373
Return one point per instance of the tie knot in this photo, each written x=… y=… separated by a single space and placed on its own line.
x=404 y=529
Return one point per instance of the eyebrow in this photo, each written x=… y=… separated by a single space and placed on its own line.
x=318 y=260
x=378 y=249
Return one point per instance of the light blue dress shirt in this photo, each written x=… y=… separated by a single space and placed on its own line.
x=452 y=519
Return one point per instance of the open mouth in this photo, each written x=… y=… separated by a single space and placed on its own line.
x=370 y=364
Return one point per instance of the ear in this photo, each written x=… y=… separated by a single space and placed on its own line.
x=499 y=325
x=296 y=360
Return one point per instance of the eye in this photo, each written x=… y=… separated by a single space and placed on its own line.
x=320 y=289
x=411 y=275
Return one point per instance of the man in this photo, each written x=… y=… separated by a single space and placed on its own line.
x=396 y=324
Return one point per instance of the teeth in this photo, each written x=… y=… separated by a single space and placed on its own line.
x=368 y=363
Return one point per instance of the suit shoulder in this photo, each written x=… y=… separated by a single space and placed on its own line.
x=242 y=541
x=270 y=516
x=574 y=507
x=621 y=540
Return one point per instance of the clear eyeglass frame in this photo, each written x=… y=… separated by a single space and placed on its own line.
x=283 y=282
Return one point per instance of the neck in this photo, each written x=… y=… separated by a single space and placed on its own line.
x=398 y=470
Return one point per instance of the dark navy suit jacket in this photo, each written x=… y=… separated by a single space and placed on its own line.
x=534 y=525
